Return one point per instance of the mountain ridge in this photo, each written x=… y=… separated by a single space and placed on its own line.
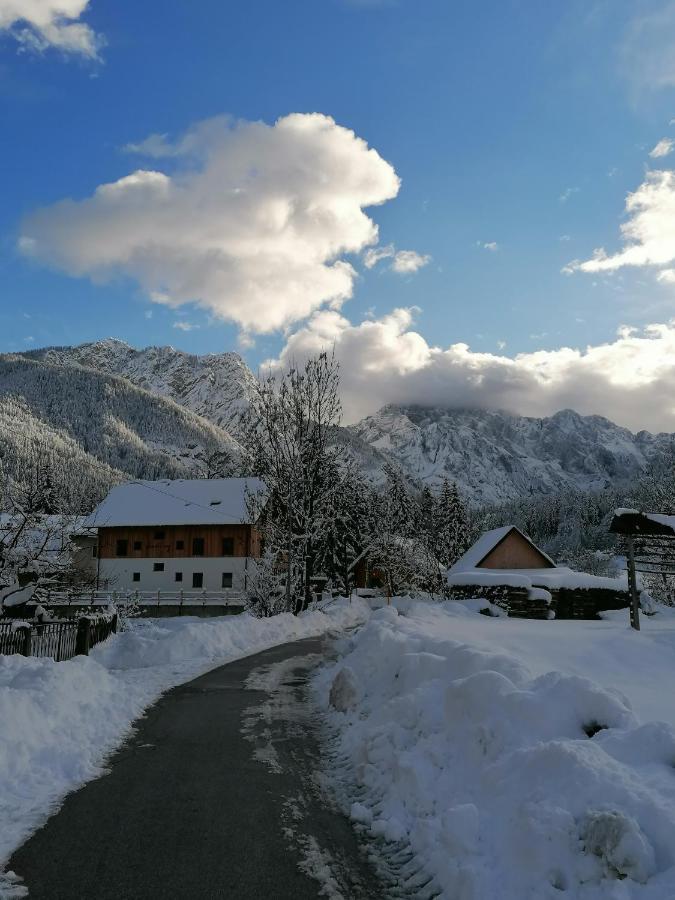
x=495 y=456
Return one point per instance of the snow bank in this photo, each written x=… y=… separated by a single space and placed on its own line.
x=511 y=775
x=59 y=721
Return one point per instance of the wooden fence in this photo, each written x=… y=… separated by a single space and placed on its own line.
x=58 y=640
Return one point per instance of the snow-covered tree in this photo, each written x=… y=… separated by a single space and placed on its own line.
x=264 y=590
x=451 y=525
x=290 y=441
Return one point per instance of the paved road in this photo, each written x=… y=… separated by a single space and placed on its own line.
x=213 y=797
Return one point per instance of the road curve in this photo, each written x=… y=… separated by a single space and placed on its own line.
x=214 y=796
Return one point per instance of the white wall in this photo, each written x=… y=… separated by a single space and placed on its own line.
x=117 y=574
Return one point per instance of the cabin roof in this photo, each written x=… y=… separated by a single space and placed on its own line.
x=486 y=543
x=199 y=501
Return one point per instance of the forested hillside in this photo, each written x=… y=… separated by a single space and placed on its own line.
x=90 y=430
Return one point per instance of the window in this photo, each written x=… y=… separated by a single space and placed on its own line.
x=214 y=503
x=197 y=579
x=136 y=576
x=180 y=545
x=228 y=546
x=227 y=579
x=158 y=567
x=94 y=550
x=160 y=535
x=179 y=576
x=138 y=545
x=198 y=546
x=122 y=547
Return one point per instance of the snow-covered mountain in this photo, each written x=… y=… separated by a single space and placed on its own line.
x=495 y=456
x=216 y=386
x=92 y=430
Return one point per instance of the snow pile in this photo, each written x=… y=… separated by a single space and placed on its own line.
x=507 y=779
x=59 y=721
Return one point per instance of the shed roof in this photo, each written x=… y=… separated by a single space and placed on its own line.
x=200 y=501
x=630 y=521
x=486 y=543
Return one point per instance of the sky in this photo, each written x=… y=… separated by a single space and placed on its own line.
x=474 y=204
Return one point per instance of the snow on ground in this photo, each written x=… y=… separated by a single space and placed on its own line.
x=475 y=742
x=59 y=721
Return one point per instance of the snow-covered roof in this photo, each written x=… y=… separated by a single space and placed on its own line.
x=631 y=521
x=485 y=544
x=556 y=578
x=202 y=501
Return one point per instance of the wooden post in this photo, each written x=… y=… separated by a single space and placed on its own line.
x=83 y=637
x=27 y=647
x=632 y=584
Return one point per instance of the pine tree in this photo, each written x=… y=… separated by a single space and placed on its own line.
x=451 y=525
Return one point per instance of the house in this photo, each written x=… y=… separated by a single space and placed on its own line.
x=505 y=566
x=191 y=535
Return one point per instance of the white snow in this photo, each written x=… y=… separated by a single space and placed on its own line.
x=556 y=578
x=198 y=501
x=473 y=741
x=60 y=721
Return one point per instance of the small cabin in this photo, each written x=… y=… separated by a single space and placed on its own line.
x=505 y=566
x=503 y=548
x=179 y=535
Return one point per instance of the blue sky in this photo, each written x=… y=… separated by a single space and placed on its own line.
x=517 y=129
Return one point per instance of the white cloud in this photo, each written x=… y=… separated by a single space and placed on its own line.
x=649 y=233
x=630 y=380
x=252 y=225
x=663 y=148
x=567 y=193
x=648 y=49
x=403 y=262
x=374 y=255
x=185 y=326
x=408 y=261
x=40 y=24
x=492 y=246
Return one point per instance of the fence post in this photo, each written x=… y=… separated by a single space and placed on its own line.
x=27 y=647
x=83 y=637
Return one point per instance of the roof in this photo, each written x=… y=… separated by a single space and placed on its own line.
x=630 y=521
x=554 y=579
x=485 y=544
x=201 y=501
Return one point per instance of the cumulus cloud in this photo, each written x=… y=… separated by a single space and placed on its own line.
x=251 y=222
x=630 y=380
x=185 y=326
x=403 y=262
x=649 y=232
x=663 y=148
x=40 y=24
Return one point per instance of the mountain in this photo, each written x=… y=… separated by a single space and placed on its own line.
x=216 y=386
x=91 y=430
x=495 y=456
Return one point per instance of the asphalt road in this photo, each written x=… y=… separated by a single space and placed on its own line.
x=215 y=796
